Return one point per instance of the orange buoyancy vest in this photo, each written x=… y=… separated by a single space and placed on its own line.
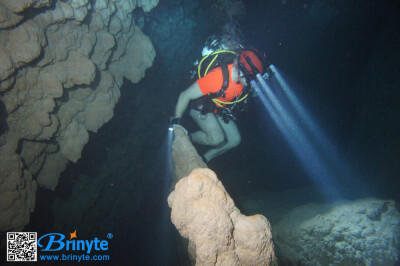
x=212 y=83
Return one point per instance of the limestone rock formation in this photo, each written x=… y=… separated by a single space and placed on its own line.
x=185 y=155
x=139 y=56
x=362 y=232
x=60 y=75
x=204 y=213
x=147 y=5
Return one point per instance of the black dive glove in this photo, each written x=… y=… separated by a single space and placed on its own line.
x=174 y=121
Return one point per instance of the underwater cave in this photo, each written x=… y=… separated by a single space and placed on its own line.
x=88 y=90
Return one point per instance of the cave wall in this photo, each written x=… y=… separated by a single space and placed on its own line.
x=61 y=66
x=117 y=184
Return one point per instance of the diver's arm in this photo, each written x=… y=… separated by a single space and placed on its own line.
x=193 y=92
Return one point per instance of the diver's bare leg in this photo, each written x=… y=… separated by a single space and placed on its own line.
x=211 y=132
x=233 y=139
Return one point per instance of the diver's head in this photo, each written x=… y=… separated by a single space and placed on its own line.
x=237 y=73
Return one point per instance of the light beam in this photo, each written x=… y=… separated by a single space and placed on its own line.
x=298 y=140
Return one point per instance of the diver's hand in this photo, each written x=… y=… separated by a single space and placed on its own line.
x=175 y=122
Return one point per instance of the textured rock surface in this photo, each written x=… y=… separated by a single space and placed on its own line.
x=147 y=5
x=59 y=80
x=204 y=213
x=362 y=232
x=185 y=155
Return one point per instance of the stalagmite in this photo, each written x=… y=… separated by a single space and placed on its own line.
x=204 y=213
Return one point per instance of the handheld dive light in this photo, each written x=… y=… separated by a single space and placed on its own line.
x=173 y=121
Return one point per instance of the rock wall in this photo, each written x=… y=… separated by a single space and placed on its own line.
x=362 y=232
x=61 y=66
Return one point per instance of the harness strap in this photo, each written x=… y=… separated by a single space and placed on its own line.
x=225 y=82
x=221 y=103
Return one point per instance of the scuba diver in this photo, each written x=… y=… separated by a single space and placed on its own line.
x=217 y=95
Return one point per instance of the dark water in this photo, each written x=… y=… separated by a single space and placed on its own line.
x=343 y=58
